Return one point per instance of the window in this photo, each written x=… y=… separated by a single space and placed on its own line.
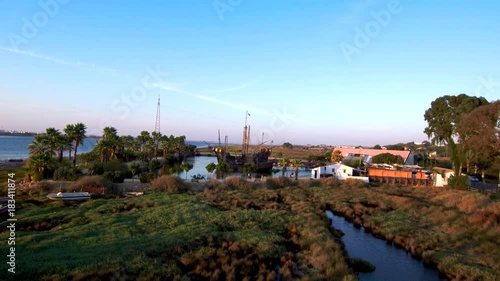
x=344 y=171
x=333 y=170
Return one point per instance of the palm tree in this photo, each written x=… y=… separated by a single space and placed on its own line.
x=108 y=144
x=142 y=140
x=157 y=136
x=186 y=167
x=134 y=167
x=53 y=138
x=297 y=164
x=69 y=131
x=249 y=168
x=39 y=146
x=110 y=136
x=127 y=146
x=284 y=163
x=76 y=133
x=40 y=163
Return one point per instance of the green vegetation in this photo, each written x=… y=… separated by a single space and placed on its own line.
x=388 y=158
x=471 y=120
x=109 y=156
x=237 y=228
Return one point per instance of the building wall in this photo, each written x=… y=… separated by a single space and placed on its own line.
x=338 y=171
x=440 y=181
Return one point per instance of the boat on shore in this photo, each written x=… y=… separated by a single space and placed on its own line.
x=134 y=194
x=69 y=196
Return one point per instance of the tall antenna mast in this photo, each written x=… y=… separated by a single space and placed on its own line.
x=244 y=149
x=157 y=125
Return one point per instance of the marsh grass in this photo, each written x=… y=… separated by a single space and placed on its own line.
x=241 y=230
x=160 y=234
x=459 y=231
x=169 y=183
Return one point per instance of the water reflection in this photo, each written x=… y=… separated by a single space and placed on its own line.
x=391 y=263
x=200 y=162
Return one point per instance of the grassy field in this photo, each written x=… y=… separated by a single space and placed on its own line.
x=19 y=172
x=166 y=236
x=240 y=230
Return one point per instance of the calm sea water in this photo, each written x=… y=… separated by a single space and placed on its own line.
x=16 y=146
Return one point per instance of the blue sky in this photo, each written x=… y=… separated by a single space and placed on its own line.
x=309 y=72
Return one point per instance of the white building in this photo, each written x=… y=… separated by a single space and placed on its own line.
x=441 y=176
x=338 y=171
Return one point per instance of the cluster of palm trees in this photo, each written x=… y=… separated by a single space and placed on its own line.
x=52 y=144
x=145 y=146
x=285 y=163
x=48 y=148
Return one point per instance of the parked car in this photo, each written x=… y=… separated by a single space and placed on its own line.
x=473 y=179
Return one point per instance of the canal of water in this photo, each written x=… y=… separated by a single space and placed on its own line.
x=391 y=263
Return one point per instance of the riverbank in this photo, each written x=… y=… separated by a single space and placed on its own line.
x=261 y=229
x=8 y=164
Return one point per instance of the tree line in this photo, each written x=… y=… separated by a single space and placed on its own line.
x=470 y=128
x=47 y=151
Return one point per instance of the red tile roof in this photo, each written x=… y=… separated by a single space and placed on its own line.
x=372 y=152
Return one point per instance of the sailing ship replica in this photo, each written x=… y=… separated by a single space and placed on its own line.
x=236 y=162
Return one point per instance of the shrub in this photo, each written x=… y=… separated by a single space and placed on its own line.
x=93 y=182
x=281 y=182
x=114 y=176
x=114 y=165
x=353 y=183
x=459 y=182
x=67 y=173
x=330 y=182
x=96 y=168
x=154 y=165
x=212 y=184
x=169 y=184
x=233 y=183
x=147 y=177
x=37 y=176
x=43 y=186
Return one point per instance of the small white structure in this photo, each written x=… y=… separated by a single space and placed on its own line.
x=338 y=171
x=441 y=176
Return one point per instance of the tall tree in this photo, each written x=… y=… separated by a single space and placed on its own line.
x=297 y=164
x=41 y=153
x=186 y=167
x=54 y=141
x=479 y=133
x=283 y=163
x=442 y=119
x=336 y=156
x=77 y=133
x=108 y=144
x=69 y=131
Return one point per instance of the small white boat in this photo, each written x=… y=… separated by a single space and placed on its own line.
x=69 y=196
x=134 y=194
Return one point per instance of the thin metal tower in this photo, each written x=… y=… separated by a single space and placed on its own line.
x=157 y=125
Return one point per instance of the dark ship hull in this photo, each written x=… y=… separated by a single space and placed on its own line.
x=261 y=160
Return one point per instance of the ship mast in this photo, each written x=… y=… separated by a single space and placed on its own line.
x=246 y=137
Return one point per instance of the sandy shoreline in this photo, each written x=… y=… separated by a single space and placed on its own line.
x=6 y=164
